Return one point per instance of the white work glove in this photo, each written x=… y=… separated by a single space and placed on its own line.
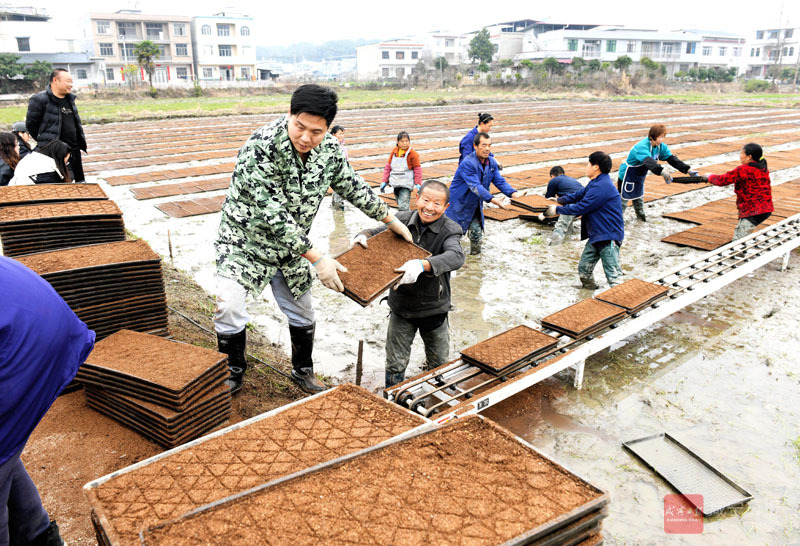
x=327 y=269
x=400 y=229
x=667 y=177
x=551 y=210
x=693 y=172
x=410 y=270
x=541 y=217
x=359 y=239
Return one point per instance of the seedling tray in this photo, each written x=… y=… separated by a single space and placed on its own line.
x=634 y=295
x=548 y=220
x=507 y=349
x=533 y=203
x=688 y=179
x=688 y=473
x=371 y=270
x=49 y=193
x=583 y=318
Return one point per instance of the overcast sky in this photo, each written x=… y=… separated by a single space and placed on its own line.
x=280 y=23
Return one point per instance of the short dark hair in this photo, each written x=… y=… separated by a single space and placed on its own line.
x=401 y=135
x=55 y=72
x=753 y=150
x=558 y=170
x=602 y=160
x=477 y=140
x=438 y=186
x=657 y=130
x=484 y=118
x=336 y=128
x=315 y=100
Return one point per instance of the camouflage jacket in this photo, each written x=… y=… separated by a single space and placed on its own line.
x=272 y=201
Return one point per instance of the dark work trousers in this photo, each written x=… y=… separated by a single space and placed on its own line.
x=76 y=166
x=22 y=516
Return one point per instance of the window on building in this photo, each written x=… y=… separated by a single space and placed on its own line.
x=205 y=30
x=24 y=44
x=104 y=27
x=399 y=54
x=758 y=52
x=384 y=54
x=785 y=51
x=415 y=54
x=668 y=49
x=737 y=51
x=611 y=46
x=208 y=73
x=225 y=51
x=81 y=74
x=631 y=47
x=791 y=51
x=449 y=43
x=773 y=35
x=182 y=73
x=245 y=71
x=788 y=33
x=385 y=72
x=706 y=51
x=773 y=54
x=752 y=52
x=106 y=50
x=723 y=51
x=162 y=51
x=127 y=29
x=127 y=51
x=223 y=30
x=401 y=72
x=154 y=31
x=179 y=29
x=572 y=45
x=110 y=74
x=245 y=31
x=759 y=35
x=181 y=50
x=691 y=47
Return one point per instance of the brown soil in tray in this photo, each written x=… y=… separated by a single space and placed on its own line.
x=90 y=256
x=341 y=421
x=583 y=316
x=153 y=359
x=60 y=211
x=370 y=270
x=469 y=482
x=500 y=351
x=633 y=294
x=39 y=193
x=533 y=203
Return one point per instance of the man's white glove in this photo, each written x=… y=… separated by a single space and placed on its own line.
x=410 y=270
x=400 y=229
x=551 y=210
x=359 y=239
x=667 y=177
x=693 y=172
x=327 y=269
x=541 y=217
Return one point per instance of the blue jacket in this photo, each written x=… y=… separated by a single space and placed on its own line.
x=470 y=188
x=562 y=185
x=600 y=209
x=467 y=145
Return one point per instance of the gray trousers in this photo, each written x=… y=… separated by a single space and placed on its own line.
x=610 y=258
x=561 y=229
x=403 y=196
x=400 y=337
x=744 y=228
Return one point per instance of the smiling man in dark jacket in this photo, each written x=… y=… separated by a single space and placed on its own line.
x=421 y=299
x=52 y=115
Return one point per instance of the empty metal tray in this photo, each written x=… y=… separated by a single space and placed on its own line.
x=688 y=473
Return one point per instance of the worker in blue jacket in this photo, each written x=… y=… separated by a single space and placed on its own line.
x=561 y=184
x=470 y=189
x=600 y=210
x=42 y=343
x=465 y=148
x=643 y=157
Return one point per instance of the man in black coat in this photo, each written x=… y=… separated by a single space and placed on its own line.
x=52 y=115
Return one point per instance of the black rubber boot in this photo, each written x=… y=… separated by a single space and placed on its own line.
x=302 y=363
x=233 y=345
x=393 y=379
x=50 y=537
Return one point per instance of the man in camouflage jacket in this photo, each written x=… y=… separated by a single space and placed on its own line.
x=281 y=175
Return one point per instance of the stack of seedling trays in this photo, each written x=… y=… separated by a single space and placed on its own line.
x=584 y=318
x=315 y=430
x=508 y=350
x=39 y=228
x=468 y=482
x=688 y=179
x=167 y=391
x=533 y=203
x=49 y=193
x=110 y=286
x=371 y=270
x=634 y=295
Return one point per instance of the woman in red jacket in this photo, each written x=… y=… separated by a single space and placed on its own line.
x=752 y=187
x=403 y=171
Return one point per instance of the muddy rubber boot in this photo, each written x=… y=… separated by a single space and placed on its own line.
x=474 y=247
x=638 y=208
x=555 y=240
x=588 y=283
x=302 y=363
x=233 y=345
x=50 y=537
x=393 y=379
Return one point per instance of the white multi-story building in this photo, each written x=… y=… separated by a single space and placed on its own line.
x=772 y=48
x=452 y=47
x=716 y=49
x=394 y=59
x=223 y=47
x=512 y=38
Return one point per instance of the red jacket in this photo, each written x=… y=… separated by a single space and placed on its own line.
x=752 y=187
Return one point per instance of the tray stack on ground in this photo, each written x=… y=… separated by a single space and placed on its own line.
x=584 y=318
x=167 y=391
x=314 y=430
x=533 y=203
x=371 y=270
x=38 y=228
x=468 y=482
x=49 y=193
x=633 y=295
x=110 y=286
x=512 y=347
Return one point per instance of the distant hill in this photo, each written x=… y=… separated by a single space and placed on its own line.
x=312 y=52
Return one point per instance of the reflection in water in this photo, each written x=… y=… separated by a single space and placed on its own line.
x=467 y=325
x=338 y=239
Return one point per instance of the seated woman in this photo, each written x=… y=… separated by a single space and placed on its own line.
x=9 y=153
x=45 y=165
x=403 y=171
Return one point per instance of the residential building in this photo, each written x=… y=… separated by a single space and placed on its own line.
x=512 y=38
x=777 y=47
x=716 y=49
x=224 y=47
x=115 y=36
x=390 y=60
x=437 y=44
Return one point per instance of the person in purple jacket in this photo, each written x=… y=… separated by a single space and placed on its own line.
x=600 y=209
x=42 y=344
